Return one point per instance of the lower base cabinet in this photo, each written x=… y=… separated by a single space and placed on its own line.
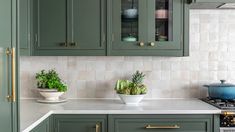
x=80 y=123
x=129 y=123
x=43 y=126
x=161 y=123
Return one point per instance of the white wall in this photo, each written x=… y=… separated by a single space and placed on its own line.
x=212 y=57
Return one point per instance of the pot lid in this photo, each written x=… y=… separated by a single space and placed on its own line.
x=221 y=84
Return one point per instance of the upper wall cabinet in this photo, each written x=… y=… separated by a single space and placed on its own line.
x=69 y=27
x=147 y=27
x=105 y=27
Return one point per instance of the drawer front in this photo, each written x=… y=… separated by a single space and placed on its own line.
x=80 y=123
x=172 y=123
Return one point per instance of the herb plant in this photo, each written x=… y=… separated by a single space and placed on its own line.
x=134 y=87
x=50 y=80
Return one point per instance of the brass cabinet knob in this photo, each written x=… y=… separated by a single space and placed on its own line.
x=141 y=44
x=152 y=44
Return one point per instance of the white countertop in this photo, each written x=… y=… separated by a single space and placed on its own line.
x=33 y=113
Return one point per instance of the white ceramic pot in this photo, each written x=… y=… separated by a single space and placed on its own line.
x=130 y=13
x=50 y=94
x=131 y=99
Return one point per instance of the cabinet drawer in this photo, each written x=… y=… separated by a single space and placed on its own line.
x=160 y=123
x=80 y=123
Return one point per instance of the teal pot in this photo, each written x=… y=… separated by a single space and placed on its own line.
x=221 y=90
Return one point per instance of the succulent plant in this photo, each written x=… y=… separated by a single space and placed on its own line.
x=134 y=87
x=138 y=77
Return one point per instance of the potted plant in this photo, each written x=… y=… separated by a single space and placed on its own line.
x=132 y=92
x=50 y=86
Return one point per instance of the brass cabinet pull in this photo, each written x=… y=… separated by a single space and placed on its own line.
x=73 y=44
x=141 y=44
x=13 y=76
x=11 y=52
x=64 y=44
x=152 y=44
x=162 y=127
x=97 y=127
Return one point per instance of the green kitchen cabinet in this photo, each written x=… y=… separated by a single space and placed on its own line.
x=69 y=27
x=160 y=123
x=43 y=126
x=147 y=28
x=8 y=66
x=25 y=27
x=80 y=123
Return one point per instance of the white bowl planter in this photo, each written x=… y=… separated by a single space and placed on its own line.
x=131 y=99
x=50 y=94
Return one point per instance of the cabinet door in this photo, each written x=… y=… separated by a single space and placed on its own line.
x=87 y=24
x=50 y=24
x=42 y=127
x=165 y=24
x=24 y=27
x=160 y=123
x=147 y=28
x=8 y=112
x=129 y=24
x=80 y=123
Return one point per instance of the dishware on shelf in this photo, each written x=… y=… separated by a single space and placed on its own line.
x=161 y=14
x=129 y=39
x=162 y=38
x=130 y=13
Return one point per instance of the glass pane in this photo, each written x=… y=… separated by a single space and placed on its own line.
x=163 y=20
x=129 y=15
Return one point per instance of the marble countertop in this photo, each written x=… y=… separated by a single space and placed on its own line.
x=33 y=113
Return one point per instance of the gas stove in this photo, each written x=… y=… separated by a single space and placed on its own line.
x=221 y=104
x=227 y=117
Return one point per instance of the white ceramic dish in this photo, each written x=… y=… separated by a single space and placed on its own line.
x=50 y=94
x=131 y=99
x=60 y=100
x=130 y=13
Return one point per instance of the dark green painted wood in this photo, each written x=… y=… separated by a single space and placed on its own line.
x=115 y=19
x=137 y=123
x=8 y=39
x=178 y=47
x=50 y=23
x=24 y=28
x=43 y=126
x=87 y=24
x=177 y=29
x=185 y=24
x=216 y=123
x=81 y=22
x=79 y=123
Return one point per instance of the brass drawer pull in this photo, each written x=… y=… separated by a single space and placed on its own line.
x=97 y=127
x=162 y=127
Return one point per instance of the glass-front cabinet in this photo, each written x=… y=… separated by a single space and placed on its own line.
x=147 y=27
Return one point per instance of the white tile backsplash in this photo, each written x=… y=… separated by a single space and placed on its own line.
x=212 y=57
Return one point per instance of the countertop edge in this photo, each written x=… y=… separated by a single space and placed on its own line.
x=33 y=125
